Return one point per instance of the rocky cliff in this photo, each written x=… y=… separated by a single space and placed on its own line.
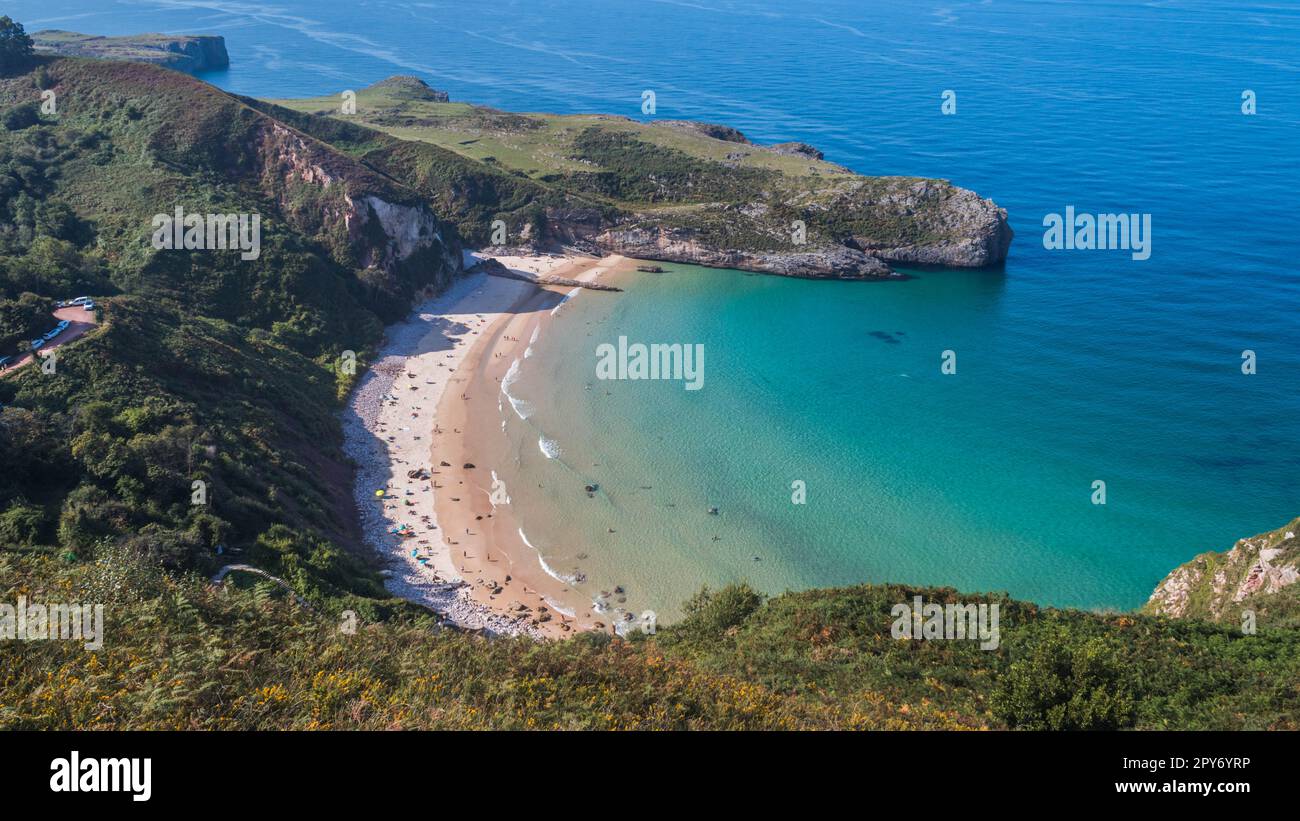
x=913 y=222
x=1259 y=573
x=372 y=222
x=189 y=53
x=671 y=190
x=925 y=222
x=675 y=244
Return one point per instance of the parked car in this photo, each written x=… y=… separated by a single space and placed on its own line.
x=4 y=362
x=82 y=300
x=51 y=334
x=37 y=343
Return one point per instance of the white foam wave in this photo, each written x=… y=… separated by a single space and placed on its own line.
x=570 y=295
x=549 y=447
x=521 y=407
x=550 y=571
x=554 y=606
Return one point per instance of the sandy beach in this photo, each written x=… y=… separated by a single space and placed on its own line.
x=414 y=427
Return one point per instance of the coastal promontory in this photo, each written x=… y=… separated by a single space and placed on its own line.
x=182 y=52
x=666 y=190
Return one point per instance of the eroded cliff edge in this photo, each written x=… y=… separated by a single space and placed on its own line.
x=1259 y=574
x=183 y=52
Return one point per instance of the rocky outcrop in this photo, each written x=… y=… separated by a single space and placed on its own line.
x=384 y=227
x=189 y=53
x=406 y=229
x=681 y=245
x=959 y=228
x=1217 y=586
x=954 y=227
x=797 y=150
x=194 y=54
x=406 y=87
x=718 y=132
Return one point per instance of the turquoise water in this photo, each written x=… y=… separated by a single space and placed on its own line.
x=1072 y=366
x=981 y=479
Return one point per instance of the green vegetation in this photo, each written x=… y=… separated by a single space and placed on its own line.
x=480 y=164
x=179 y=653
x=205 y=368
x=15 y=46
x=23 y=319
x=209 y=369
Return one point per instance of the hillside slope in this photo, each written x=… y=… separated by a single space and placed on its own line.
x=207 y=367
x=185 y=655
x=681 y=192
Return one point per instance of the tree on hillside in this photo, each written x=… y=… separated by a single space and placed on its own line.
x=15 y=46
x=23 y=319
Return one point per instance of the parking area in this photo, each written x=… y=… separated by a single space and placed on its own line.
x=71 y=322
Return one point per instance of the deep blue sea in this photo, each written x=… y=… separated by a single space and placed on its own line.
x=1073 y=366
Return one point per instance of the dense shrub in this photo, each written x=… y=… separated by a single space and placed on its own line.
x=1065 y=684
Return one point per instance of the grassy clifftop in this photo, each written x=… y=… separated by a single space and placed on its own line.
x=181 y=52
x=182 y=654
x=687 y=192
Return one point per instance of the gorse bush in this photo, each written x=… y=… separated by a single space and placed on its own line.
x=712 y=612
x=1064 y=685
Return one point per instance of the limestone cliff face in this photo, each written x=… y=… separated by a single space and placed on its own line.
x=1217 y=586
x=189 y=53
x=200 y=53
x=681 y=245
x=954 y=226
x=907 y=222
x=370 y=222
x=407 y=230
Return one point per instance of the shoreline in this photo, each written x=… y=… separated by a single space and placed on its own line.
x=445 y=544
x=495 y=546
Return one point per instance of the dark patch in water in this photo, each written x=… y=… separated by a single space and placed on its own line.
x=886 y=337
